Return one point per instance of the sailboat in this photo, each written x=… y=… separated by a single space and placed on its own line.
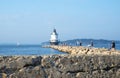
x=18 y=44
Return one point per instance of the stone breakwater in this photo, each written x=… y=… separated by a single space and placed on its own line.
x=74 y=50
x=80 y=62
x=60 y=66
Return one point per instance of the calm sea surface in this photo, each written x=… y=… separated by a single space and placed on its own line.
x=8 y=50
x=26 y=50
x=108 y=46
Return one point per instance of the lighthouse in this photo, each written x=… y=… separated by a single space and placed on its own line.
x=54 y=38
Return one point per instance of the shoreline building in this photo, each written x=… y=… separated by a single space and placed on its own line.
x=54 y=38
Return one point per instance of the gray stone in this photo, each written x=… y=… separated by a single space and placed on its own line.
x=60 y=66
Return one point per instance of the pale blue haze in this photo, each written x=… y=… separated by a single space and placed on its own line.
x=32 y=21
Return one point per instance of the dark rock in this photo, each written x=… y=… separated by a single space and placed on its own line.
x=60 y=66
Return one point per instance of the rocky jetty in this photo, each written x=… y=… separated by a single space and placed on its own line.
x=60 y=66
x=79 y=50
x=81 y=62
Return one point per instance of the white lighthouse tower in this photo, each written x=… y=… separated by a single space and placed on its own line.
x=54 y=38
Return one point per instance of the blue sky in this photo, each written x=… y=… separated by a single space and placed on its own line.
x=32 y=21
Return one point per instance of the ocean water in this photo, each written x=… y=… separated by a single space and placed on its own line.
x=7 y=50
x=108 y=46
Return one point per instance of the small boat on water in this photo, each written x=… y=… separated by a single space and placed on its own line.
x=18 y=44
